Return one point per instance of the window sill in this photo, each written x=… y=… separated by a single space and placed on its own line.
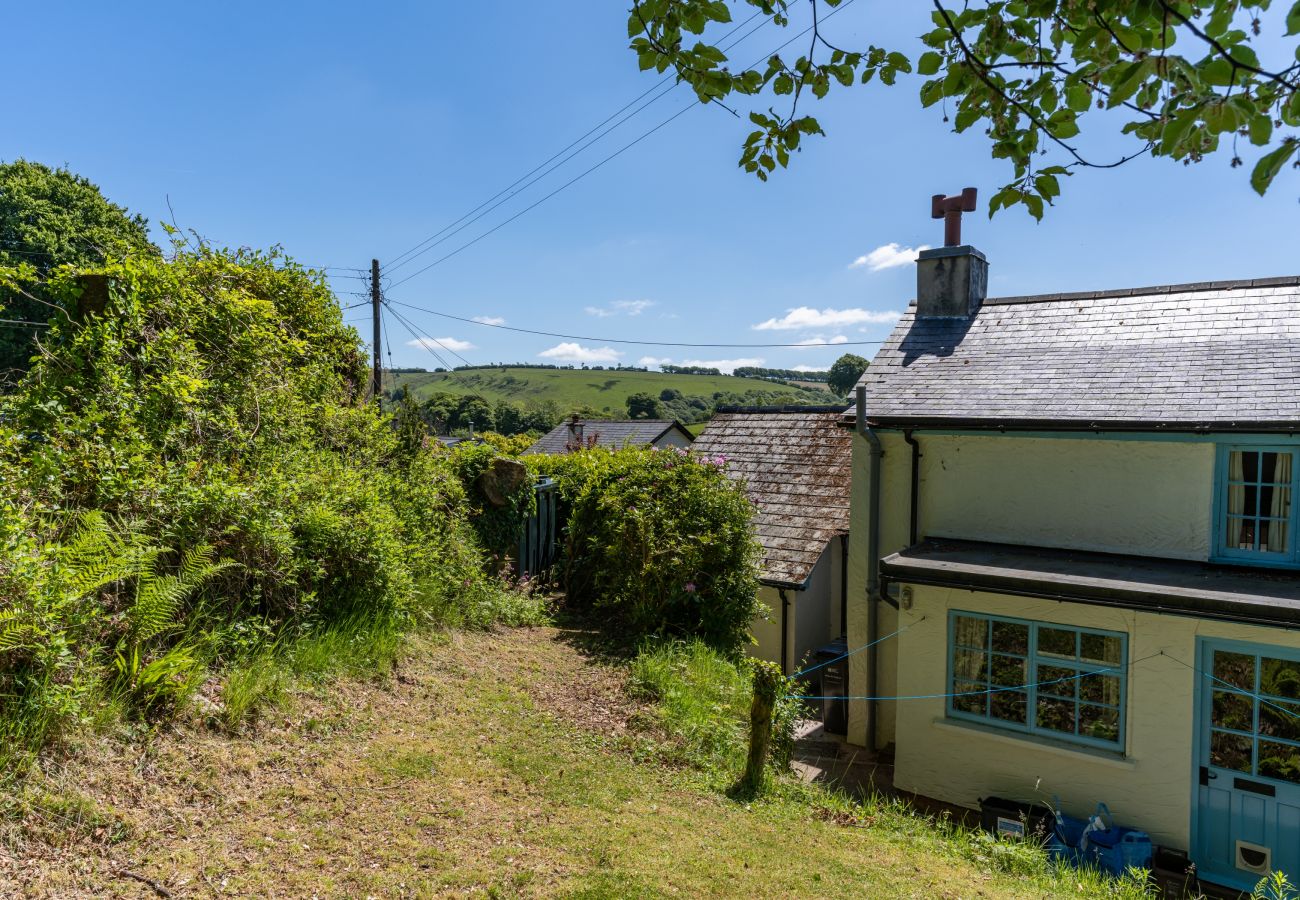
x=1073 y=751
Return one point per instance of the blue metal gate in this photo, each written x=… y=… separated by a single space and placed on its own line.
x=539 y=545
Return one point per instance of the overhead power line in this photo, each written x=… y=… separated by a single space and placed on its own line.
x=434 y=353
x=607 y=159
x=421 y=339
x=410 y=254
x=609 y=340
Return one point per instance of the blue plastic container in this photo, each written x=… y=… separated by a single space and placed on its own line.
x=1117 y=849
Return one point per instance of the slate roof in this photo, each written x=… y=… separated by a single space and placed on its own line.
x=795 y=464
x=1205 y=356
x=628 y=433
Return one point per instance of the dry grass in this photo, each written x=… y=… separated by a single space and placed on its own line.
x=496 y=764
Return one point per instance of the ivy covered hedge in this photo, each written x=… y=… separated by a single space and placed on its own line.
x=658 y=541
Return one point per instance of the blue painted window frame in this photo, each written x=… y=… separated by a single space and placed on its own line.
x=1033 y=660
x=1288 y=558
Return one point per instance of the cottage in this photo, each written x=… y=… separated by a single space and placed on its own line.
x=795 y=465
x=1078 y=527
x=576 y=434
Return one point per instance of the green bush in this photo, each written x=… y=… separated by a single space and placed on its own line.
x=210 y=404
x=658 y=542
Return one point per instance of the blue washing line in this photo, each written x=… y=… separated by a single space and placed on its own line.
x=803 y=672
x=1235 y=689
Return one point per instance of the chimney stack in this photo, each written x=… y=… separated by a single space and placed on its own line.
x=575 y=430
x=952 y=280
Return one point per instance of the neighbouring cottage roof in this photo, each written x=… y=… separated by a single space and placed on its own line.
x=626 y=433
x=1206 y=356
x=795 y=463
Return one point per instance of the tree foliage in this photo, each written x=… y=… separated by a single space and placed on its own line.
x=643 y=406
x=845 y=373
x=51 y=218
x=1180 y=78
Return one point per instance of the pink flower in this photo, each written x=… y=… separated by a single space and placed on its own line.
x=690 y=587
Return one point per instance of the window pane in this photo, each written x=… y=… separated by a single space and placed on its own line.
x=1236 y=669
x=1249 y=465
x=1057 y=680
x=971 y=698
x=1270 y=470
x=1279 y=720
x=1009 y=671
x=1236 y=500
x=1100 y=689
x=1056 y=715
x=1280 y=677
x=1057 y=642
x=968 y=632
x=1009 y=706
x=1280 y=761
x=1252 y=500
x=970 y=664
x=1241 y=534
x=1099 y=648
x=1230 y=751
x=1273 y=535
x=1098 y=722
x=1011 y=637
x=1234 y=711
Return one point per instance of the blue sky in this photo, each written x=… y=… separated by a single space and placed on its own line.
x=345 y=134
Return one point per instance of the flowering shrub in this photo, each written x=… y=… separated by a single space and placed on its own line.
x=659 y=541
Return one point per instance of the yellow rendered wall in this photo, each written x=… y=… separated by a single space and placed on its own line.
x=1149 y=786
x=1118 y=496
x=766 y=629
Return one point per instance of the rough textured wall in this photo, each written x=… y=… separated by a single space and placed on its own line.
x=1120 y=496
x=1149 y=787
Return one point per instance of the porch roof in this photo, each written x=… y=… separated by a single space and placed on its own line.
x=1168 y=586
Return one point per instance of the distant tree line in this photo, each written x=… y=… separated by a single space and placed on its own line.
x=780 y=374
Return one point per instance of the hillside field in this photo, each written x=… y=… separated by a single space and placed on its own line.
x=601 y=389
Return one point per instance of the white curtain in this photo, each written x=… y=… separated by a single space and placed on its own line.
x=1236 y=499
x=1281 y=506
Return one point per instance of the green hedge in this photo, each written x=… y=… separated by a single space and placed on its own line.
x=658 y=541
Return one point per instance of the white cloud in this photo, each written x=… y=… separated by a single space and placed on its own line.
x=625 y=307
x=822 y=342
x=805 y=317
x=888 y=256
x=571 y=351
x=810 y=368
x=653 y=362
x=442 y=343
x=727 y=366
x=490 y=320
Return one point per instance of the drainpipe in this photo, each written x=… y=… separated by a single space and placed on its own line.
x=916 y=485
x=873 y=564
x=785 y=630
x=844 y=584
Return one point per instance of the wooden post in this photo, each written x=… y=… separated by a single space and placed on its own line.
x=768 y=682
x=377 y=376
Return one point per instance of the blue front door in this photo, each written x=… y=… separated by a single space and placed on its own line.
x=1246 y=820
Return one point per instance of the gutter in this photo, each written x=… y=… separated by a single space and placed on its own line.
x=1083 y=425
x=785 y=631
x=873 y=566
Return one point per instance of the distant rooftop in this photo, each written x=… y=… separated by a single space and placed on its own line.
x=609 y=433
x=1204 y=356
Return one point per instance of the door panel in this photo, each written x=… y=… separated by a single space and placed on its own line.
x=1247 y=816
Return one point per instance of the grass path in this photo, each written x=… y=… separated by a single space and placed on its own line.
x=491 y=764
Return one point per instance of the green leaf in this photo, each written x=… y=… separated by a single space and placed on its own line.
x=1293 y=22
x=1128 y=82
x=932 y=92
x=1261 y=129
x=929 y=63
x=1268 y=167
x=1048 y=186
x=1078 y=97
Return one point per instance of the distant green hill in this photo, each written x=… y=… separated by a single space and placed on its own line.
x=606 y=389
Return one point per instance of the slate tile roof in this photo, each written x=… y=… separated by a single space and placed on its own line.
x=1207 y=355
x=629 y=433
x=795 y=465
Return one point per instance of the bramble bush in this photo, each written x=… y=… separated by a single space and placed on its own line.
x=658 y=541
x=210 y=410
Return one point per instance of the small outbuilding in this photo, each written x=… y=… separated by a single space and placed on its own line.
x=795 y=463
x=576 y=434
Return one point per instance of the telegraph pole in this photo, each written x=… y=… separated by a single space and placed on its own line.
x=376 y=379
